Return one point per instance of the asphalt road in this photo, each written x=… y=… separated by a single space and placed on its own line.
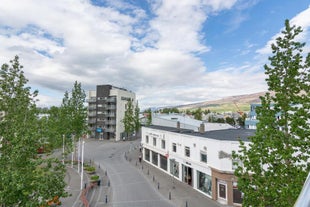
x=129 y=187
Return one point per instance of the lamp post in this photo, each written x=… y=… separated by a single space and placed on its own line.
x=63 y=149
x=82 y=167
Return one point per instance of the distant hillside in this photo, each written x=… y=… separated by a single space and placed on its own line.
x=231 y=103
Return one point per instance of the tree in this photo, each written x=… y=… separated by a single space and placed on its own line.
x=74 y=112
x=198 y=114
x=136 y=118
x=276 y=162
x=148 y=113
x=26 y=179
x=129 y=118
x=230 y=120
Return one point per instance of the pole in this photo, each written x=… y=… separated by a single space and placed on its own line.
x=82 y=160
x=79 y=155
x=63 y=149
x=72 y=151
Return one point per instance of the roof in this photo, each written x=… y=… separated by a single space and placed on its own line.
x=222 y=135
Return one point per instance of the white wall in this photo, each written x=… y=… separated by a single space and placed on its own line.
x=196 y=144
x=120 y=107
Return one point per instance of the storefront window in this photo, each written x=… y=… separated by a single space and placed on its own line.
x=204 y=183
x=154 y=158
x=174 y=168
x=163 y=162
x=147 y=154
x=237 y=195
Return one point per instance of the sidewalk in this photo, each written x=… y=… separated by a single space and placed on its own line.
x=73 y=181
x=96 y=196
x=181 y=194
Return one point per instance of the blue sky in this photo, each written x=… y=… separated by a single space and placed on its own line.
x=169 y=52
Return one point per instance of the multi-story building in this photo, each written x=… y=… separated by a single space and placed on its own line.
x=201 y=159
x=106 y=110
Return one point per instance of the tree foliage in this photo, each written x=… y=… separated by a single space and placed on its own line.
x=276 y=163
x=131 y=118
x=198 y=114
x=26 y=179
x=74 y=112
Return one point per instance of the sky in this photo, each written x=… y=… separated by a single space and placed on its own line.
x=168 y=52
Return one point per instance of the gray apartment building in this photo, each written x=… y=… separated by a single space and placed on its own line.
x=106 y=110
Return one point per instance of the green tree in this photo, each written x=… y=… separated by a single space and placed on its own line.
x=198 y=114
x=230 y=120
x=276 y=163
x=74 y=112
x=148 y=113
x=26 y=179
x=129 y=118
x=136 y=118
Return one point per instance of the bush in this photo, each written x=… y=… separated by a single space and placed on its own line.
x=94 y=177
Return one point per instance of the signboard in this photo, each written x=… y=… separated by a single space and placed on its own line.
x=99 y=130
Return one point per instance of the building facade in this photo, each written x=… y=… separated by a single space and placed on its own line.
x=201 y=159
x=106 y=110
x=251 y=121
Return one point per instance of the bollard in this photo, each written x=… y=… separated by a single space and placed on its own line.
x=169 y=195
x=186 y=204
x=106 y=199
x=142 y=167
x=85 y=185
x=153 y=178
x=99 y=166
x=108 y=183
x=158 y=185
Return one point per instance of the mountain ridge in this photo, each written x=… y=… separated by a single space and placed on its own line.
x=230 y=103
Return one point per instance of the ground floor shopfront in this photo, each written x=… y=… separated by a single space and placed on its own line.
x=217 y=185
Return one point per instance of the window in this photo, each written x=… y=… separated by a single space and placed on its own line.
x=187 y=152
x=163 y=144
x=235 y=164
x=147 y=154
x=203 y=157
x=174 y=147
x=154 y=141
x=147 y=139
x=204 y=182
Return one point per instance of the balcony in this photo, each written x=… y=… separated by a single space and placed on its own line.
x=110 y=122
x=111 y=107
x=92 y=121
x=111 y=99
x=92 y=100
x=110 y=114
x=92 y=114
x=110 y=129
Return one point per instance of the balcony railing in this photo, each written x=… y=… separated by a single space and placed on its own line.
x=111 y=99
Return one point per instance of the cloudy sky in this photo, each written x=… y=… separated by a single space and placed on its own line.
x=168 y=52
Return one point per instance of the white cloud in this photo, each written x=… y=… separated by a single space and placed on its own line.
x=62 y=41
x=303 y=20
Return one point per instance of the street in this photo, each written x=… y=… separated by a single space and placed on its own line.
x=129 y=186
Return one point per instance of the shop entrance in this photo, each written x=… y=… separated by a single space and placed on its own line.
x=187 y=175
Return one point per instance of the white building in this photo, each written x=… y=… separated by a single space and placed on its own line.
x=106 y=110
x=186 y=122
x=201 y=159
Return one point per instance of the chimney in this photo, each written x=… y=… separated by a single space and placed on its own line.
x=178 y=125
x=202 y=128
